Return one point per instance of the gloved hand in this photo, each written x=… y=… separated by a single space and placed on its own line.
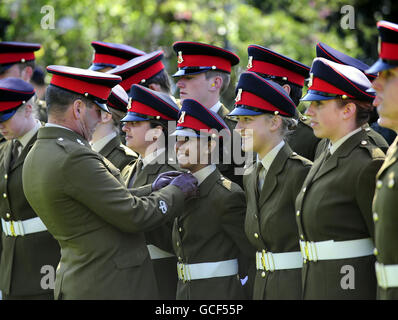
x=164 y=179
x=187 y=183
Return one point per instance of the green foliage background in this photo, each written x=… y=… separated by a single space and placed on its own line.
x=286 y=26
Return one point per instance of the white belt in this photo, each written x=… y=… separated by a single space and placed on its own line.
x=206 y=270
x=20 y=228
x=330 y=249
x=387 y=275
x=269 y=261
x=157 y=253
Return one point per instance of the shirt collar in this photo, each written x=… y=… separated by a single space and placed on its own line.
x=333 y=147
x=216 y=107
x=24 y=140
x=271 y=155
x=56 y=126
x=203 y=173
x=101 y=143
x=150 y=158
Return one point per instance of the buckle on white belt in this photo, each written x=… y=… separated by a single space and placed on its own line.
x=387 y=275
x=21 y=228
x=205 y=270
x=269 y=261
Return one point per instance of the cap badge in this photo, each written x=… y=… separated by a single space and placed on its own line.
x=129 y=104
x=238 y=96
x=180 y=59
x=310 y=80
x=182 y=117
x=250 y=62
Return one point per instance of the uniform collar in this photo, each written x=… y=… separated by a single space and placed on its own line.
x=203 y=173
x=333 y=147
x=271 y=155
x=150 y=158
x=24 y=140
x=101 y=143
x=216 y=107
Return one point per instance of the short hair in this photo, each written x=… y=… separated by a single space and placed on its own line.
x=288 y=125
x=164 y=125
x=117 y=115
x=226 y=78
x=32 y=102
x=162 y=79
x=58 y=100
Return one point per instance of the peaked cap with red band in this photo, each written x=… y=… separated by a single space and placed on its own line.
x=388 y=51
x=331 y=80
x=195 y=120
x=16 y=52
x=146 y=104
x=118 y=99
x=140 y=69
x=112 y=54
x=197 y=57
x=266 y=62
x=94 y=85
x=14 y=92
x=327 y=52
x=256 y=96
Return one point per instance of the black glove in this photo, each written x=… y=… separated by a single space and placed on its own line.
x=164 y=179
x=187 y=183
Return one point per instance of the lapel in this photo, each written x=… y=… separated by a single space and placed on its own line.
x=151 y=169
x=391 y=157
x=343 y=151
x=271 y=178
x=205 y=187
x=23 y=154
x=110 y=146
x=7 y=155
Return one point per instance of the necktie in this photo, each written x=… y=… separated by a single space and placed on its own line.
x=261 y=177
x=137 y=170
x=15 y=151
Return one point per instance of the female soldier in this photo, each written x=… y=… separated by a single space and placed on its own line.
x=333 y=208
x=265 y=114
x=146 y=127
x=106 y=139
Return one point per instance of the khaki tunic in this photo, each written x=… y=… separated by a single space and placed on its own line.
x=118 y=153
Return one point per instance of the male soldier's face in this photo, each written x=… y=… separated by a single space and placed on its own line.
x=195 y=87
x=192 y=153
x=326 y=117
x=386 y=86
x=90 y=117
x=139 y=136
x=16 y=126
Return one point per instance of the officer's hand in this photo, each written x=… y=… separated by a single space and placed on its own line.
x=164 y=179
x=187 y=183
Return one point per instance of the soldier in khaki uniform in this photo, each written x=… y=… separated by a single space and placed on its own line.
x=385 y=200
x=264 y=112
x=106 y=139
x=208 y=237
x=27 y=249
x=290 y=74
x=82 y=200
x=146 y=127
x=333 y=208
x=327 y=52
x=204 y=73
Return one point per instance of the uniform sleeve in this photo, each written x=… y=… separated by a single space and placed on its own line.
x=88 y=181
x=365 y=190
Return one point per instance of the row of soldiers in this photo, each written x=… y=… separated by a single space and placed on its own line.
x=142 y=216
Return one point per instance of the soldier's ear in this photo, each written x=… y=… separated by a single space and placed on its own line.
x=76 y=108
x=287 y=88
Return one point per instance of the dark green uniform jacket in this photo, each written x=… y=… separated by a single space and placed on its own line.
x=376 y=138
x=211 y=229
x=335 y=203
x=22 y=257
x=271 y=221
x=385 y=208
x=165 y=268
x=82 y=200
x=303 y=141
x=118 y=153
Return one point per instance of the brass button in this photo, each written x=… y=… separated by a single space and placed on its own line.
x=367 y=129
x=4 y=195
x=302 y=236
x=391 y=183
x=379 y=184
x=179 y=259
x=256 y=235
x=8 y=215
x=304 y=189
x=364 y=142
x=6 y=176
x=180 y=229
x=178 y=243
x=375 y=217
x=298 y=213
x=375 y=251
x=294 y=154
x=263 y=274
